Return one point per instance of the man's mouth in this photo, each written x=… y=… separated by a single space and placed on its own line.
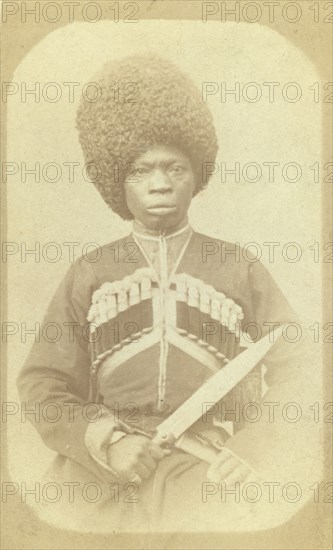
x=162 y=207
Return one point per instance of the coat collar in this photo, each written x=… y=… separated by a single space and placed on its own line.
x=142 y=232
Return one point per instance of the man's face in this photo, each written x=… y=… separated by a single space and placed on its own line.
x=160 y=188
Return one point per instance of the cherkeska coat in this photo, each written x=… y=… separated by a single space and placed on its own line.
x=144 y=324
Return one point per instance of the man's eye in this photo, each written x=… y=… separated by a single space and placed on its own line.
x=177 y=169
x=141 y=170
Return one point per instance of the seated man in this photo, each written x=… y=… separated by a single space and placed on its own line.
x=156 y=316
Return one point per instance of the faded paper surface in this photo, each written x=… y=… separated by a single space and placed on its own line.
x=273 y=132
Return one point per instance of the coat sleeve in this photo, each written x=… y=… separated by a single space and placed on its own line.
x=280 y=437
x=55 y=377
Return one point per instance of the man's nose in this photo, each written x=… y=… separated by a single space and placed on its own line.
x=159 y=182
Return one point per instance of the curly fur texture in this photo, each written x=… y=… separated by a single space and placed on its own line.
x=161 y=107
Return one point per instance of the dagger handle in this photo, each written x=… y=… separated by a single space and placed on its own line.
x=185 y=443
x=162 y=439
x=189 y=444
x=165 y=439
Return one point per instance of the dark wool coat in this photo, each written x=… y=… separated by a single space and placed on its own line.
x=60 y=372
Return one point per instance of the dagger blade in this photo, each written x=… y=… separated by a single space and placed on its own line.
x=214 y=389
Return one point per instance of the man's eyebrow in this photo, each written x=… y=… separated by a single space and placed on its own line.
x=163 y=162
x=144 y=163
x=176 y=160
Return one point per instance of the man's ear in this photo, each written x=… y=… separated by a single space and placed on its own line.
x=195 y=183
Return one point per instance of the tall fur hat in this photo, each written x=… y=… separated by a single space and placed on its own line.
x=142 y=101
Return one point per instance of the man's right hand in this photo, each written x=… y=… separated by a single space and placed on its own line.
x=134 y=457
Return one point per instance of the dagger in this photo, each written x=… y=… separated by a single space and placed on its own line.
x=172 y=430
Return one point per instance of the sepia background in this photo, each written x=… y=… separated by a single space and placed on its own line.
x=64 y=211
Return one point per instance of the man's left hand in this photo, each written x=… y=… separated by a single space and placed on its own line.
x=228 y=468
